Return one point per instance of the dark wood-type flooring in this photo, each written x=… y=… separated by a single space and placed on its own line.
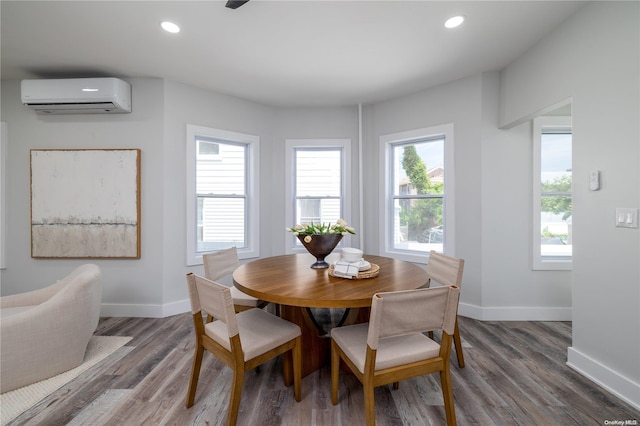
x=515 y=374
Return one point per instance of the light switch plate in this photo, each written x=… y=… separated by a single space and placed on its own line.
x=626 y=217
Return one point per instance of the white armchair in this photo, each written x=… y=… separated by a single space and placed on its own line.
x=45 y=332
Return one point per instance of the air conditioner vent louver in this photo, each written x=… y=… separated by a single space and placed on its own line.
x=77 y=96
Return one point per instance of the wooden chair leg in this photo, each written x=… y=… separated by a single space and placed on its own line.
x=458 y=344
x=236 y=394
x=335 y=367
x=396 y=385
x=297 y=369
x=241 y=308
x=369 y=406
x=447 y=394
x=195 y=373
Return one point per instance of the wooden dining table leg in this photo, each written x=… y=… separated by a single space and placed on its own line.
x=316 y=345
x=315 y=349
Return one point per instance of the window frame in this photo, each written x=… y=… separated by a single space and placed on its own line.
x=291 y=145
x=387 y=142
x=541 y=125
x=252 y=172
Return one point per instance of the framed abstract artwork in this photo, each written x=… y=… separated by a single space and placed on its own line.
x=85 y=203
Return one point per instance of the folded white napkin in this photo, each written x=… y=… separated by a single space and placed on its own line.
x=346 y=269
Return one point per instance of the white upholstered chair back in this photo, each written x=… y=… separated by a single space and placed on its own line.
x=220 y=263
x=413 y=311
x=444 y=270
x=214 y=299
x=447 y=270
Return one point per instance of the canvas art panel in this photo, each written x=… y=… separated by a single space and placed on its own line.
x=85 y=203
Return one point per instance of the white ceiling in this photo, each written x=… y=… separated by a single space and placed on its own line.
x=283 y=53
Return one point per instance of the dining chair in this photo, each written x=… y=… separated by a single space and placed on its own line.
x=241 y=340
x=392 y=346
x=447 y=270
x=221 y=264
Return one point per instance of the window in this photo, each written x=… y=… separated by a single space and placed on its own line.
x=418 y=182
x=222 y=192
x=552 y=202
x=318 y=183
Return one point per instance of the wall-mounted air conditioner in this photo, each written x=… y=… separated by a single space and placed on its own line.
x=77 y=95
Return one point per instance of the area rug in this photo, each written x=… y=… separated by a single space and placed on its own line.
x=16 y=402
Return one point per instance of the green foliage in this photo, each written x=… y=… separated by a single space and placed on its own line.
x=340 y=227
x=559 y=204
x=546 y=233
x=559 y=184
x=415 y=169
x=420 y=215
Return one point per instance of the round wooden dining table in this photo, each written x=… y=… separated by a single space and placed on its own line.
x=290 y=282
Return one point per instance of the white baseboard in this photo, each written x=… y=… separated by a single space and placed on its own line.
x=469 y=311
x=514 y=313
x=465 y=310
x=175 y=308
x=144 y=311
x=612 y=381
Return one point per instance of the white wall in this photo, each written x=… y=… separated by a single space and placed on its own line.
x=492 y=198
x=309 y=123
x=184 y=104
x=594 y=59
x=3 y=202
x=154 y=285
x=510 y=288
x=458 y=103
x=126 y=281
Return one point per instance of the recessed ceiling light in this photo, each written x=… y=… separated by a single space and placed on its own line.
x=170 y=27
x=454 y=21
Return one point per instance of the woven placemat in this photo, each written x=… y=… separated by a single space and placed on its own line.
x=369 y=273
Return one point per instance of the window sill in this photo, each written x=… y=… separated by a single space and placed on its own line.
x=419 y=258
x=552 y=265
